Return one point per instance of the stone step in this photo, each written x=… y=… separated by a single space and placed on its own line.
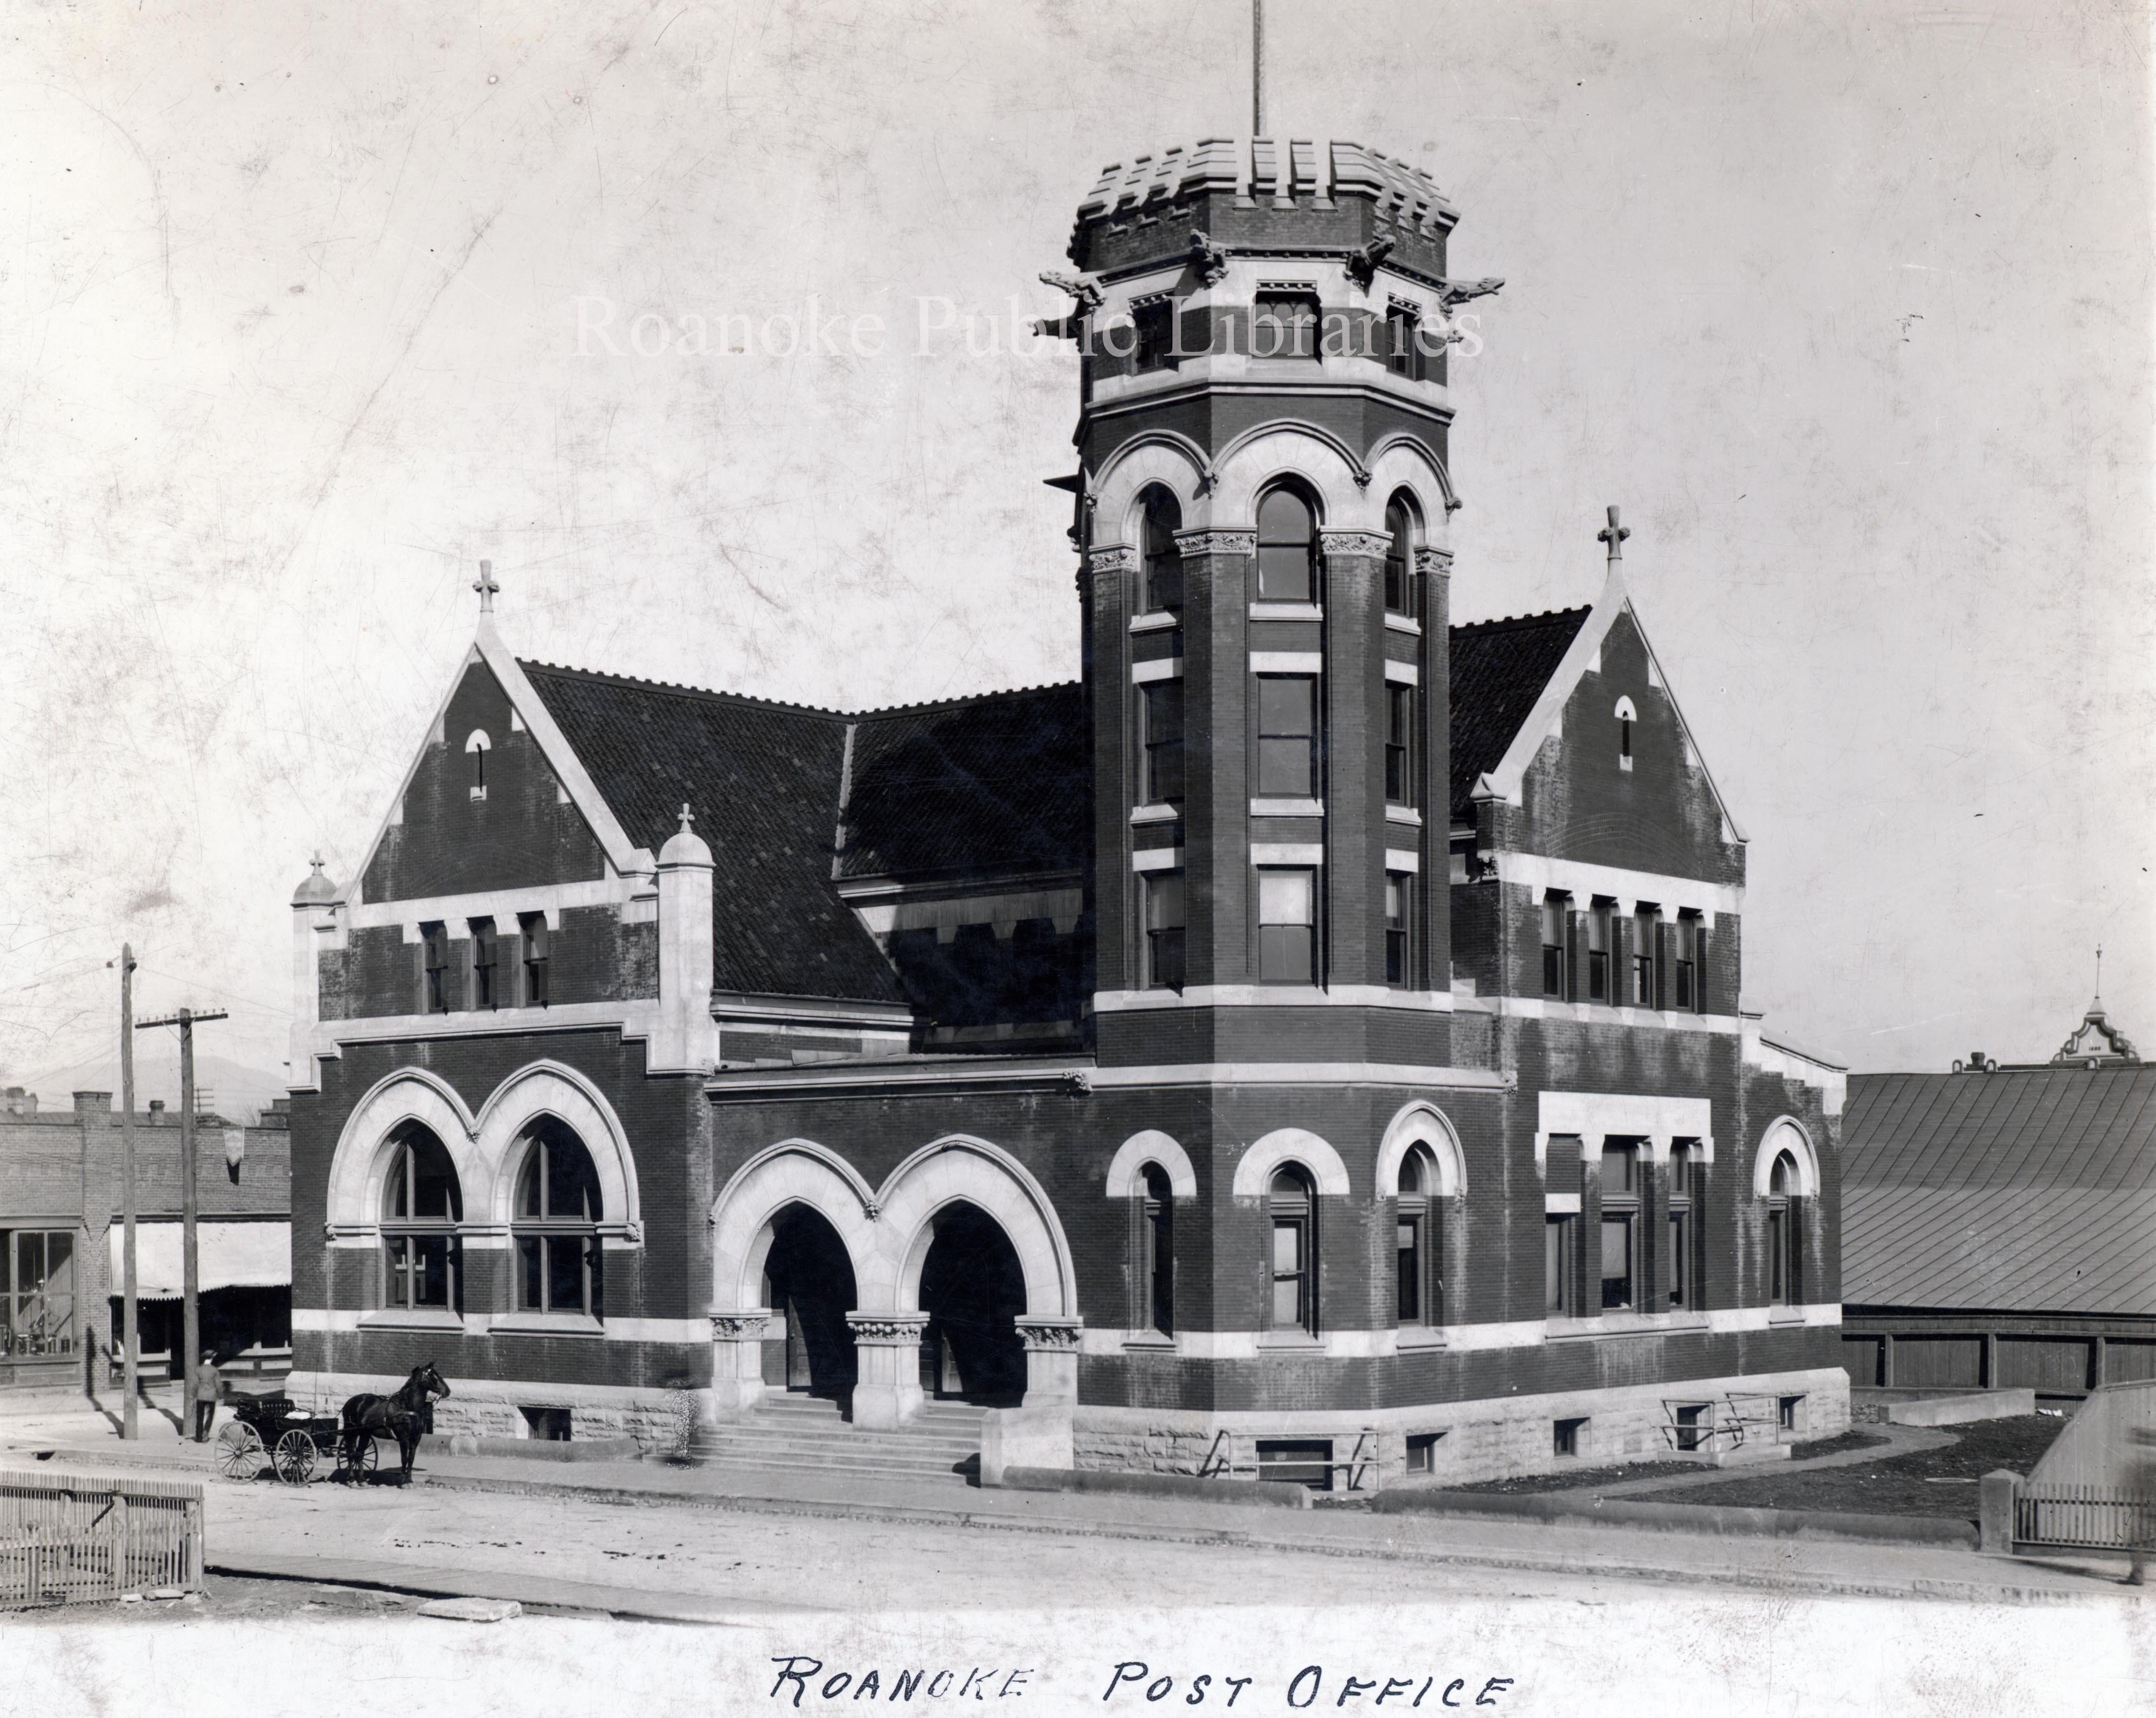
x=808 y=1464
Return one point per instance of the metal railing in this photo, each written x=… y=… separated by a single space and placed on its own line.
x=70 y=1539
x=2083 y=1515
x=1226 y=1459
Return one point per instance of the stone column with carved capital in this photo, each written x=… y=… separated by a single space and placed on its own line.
x=738 y=1360
x=1051 y=1359
x=888 y=1367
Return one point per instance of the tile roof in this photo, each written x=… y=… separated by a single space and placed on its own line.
x=763 y=781
x=998 y=782
x=1499 y=668
x=2026 y=1191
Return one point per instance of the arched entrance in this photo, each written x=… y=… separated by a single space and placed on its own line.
x=809 y=1280
x=973 y=1288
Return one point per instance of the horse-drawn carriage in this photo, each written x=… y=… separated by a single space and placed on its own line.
x=293 y=1441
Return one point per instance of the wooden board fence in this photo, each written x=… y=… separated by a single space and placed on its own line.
x=76 y=1539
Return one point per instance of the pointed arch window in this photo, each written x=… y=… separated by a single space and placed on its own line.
x=1162 y=517
x=1293 y=1205
x=1287 y=548
x=477 y=747
x=1784 y=1272
x=1626 y=717
x=1157 y=1261
x=1400 y=532
x=422 y=1205
x=1419 y=1244
x=556 y=1225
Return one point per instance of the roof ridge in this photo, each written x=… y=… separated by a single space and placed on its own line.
x=822 y=709
x=1512 y=620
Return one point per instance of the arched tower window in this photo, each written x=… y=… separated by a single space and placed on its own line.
x=1626 y=715
x=1163 y=516
x=1419 y=1245
x=1400 y=530
x=1156 y=1213
x=1294 y=1208
x=1783 y=1273
x=1287 y=547
x=422 y=1205
x=477 y=747
x=555 y=1228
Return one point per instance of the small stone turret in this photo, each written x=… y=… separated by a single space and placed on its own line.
x=684 y=1040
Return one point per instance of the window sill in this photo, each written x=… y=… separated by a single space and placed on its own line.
x=1401 y=623
x=1156 y=621
x=1287 y=807
x=1289 y=1342
x=1404 y=814
x=1163 y=813
x=406 y=1318
x=547 y=1324
x=1286 y=611
x=1414 y=1337
x=1154 y=1344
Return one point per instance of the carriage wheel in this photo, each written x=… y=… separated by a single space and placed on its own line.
x=295 y=1457
x=238 y=1451
x=365 y=1457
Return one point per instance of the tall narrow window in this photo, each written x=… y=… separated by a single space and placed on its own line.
x=1159 y=1219
x=1163 y=930
x=1287 y=927
x=1682 y=1171
x=1163 y=559
x=1412 y=1247
x=1559 y=1300
x=1399 y=557
x=1646 y=930
x=1400 y=897
x=1287 y=548
x=1782 y=1271
x=1557 y=907
x=1294 y=1299
x=435 y=968
x=1400 y=745
x=1155 y=324
x=1404 y=354
x=531 y=928
x=1686 y=976
x=1620 y=1221
x=421 y=1207
x=486 y=968
x=1162 y=720
x=1598 y=952
x=1284 y=325
x=476 y=747
x=555 y=1228
x=1287 y=736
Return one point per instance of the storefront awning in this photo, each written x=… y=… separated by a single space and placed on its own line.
x=227 y=1255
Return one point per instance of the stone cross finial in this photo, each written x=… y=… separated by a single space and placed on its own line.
x=316 y=862
x=486 y=587
x=1614 y=534
x=688 y=818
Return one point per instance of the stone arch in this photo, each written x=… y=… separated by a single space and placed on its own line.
x=1401 y=461
x=1158 y=456
x=357 y=1167
x=1151 y=1147
x=551 y=1088
x=1253 y=1171
x=1256 y=459
x=1421 y=1124
x=794 y=1172
x=961 y=1168
x=1786 y=1133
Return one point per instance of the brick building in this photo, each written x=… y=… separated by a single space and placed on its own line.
x=2001 y=1221
x=1317 y=1029
x=60 y=1227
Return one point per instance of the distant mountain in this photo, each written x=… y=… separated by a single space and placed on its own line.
x=235 y=1091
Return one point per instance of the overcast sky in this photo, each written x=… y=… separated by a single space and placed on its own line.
x=1848 y=305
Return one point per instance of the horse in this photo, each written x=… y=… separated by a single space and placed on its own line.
x=398 y=1416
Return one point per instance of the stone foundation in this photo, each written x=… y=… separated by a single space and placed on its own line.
x=659 y=1420
x=1494 y=1439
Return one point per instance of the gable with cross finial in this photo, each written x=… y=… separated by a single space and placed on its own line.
x=485 y=586
x=1614 y=534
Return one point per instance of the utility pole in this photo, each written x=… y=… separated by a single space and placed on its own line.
x=1257 y=68
x=129 y=1345
x=190 y=1304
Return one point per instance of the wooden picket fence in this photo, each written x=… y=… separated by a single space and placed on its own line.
x=2085 y=1516
x=73 y=1539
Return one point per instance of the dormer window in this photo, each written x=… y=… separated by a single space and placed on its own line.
x=1626 y=715
x=476 y=747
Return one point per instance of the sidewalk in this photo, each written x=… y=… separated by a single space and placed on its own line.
x=1805 y=1567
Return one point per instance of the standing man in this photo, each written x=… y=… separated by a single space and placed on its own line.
x=208 y=1386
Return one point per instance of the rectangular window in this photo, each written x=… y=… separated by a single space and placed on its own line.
x=434 y=964
x=1163 y=719
x=1598 y=952
x=1556 y=908
x=1400 y=745
x=422 y=1271
x=1155 y=323
x=1569 y=1438
x=1408 y=1258
x=1287 y=927
x=485 y=956
x=1681 y=1240
x=1287 y=736
x=1557 y=1266
x=554 y=1273
x=1403 y=353
x=1422 y=1452
x=1290 y=1273
x=531 y=930
x=1399 y=898
x=1686 y=976
x=1284 y=325
x=1163 y=930
x=37 y=1293
x=1620 y=1216
x=1647 y=926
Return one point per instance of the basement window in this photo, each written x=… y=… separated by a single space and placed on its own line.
x=1422 y=1452
x=546 y=1425
x=1569 y=1438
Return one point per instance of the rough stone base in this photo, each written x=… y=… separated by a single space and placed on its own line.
x=1496 y=1438
x=660 y=1421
